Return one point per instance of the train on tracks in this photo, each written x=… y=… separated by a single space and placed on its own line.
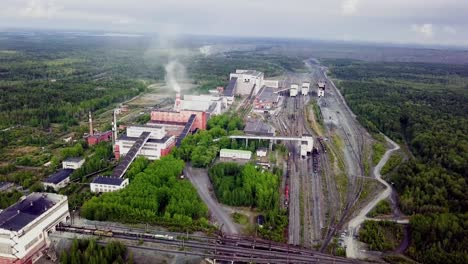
x=111 y=233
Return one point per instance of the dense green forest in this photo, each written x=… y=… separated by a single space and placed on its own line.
x=424 y=106
x=86 y=251
x=381 y=235
x=245 y=185
x=156 y=195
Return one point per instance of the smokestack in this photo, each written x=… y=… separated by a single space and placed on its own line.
x=177 y=102
x=114 y=128
x=91 y=131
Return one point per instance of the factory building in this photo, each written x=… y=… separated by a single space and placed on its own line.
x=73 y=163
x=94 y=138
x=181 y=118
x=58 y=180
x=26 y=225
x=102 y=184
x=158 y=144
x=305 y=88
x=213 y=105
x=259 y=128
x=248 y=81
x=267 y=99
x=321 y=89
x=230 y=91
x=293 y=90
x=235 y=154
x=307 y=145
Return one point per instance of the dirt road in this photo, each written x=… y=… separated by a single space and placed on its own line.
x=201 y=181
x=352 y=250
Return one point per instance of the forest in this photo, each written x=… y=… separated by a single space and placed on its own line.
x=424 y=106
x=84 y=251
x=156 y=195
x=238 y=185
x=245 y=185
x=381 y=235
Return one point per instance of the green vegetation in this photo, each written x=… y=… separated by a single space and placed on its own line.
x=378 y=150
x=245 y=186
x=156 y=195
x=426 y=107
x=240 y=218
x=98 y=161
x=392 y=163
x=381 y=235
x=88 y=251
x=382 y=208
x=9 y=198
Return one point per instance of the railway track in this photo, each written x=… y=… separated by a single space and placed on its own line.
x=222 y=248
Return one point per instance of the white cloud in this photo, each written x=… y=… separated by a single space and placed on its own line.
x=426 y=30
x=450 y=30
x=349 y=7
x=40 y=9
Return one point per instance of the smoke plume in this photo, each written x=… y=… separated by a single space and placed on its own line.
x=175 y=73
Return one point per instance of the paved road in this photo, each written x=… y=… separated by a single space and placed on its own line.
x=352 y=250
x=201 y=181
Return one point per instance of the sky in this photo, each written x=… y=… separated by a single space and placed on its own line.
x=430 y=22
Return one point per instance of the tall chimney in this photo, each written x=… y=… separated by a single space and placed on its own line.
x=114 y=128
x=177 y=103
x=91 y=131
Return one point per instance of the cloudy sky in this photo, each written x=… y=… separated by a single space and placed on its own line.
x=443 y=22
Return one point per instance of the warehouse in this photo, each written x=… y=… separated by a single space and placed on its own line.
x=58 y=180
x=293 y=90
x=25 y=226
x=320 y=89
x=235 y=154
x=103 y=184
x=73 y=163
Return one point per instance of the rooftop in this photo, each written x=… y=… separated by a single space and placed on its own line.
x=108 y=180
x=59 y=176
x=236 y=151
x=19 y=215
x=230 y=88
x=74 y=159
x=258 y=127
x=268 y=95
x=151 y=140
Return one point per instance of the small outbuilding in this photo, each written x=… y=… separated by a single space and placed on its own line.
x=59 y=179
x=235 y=154
x=73 y=163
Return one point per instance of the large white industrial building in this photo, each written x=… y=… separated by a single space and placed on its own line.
x=247 y=80
x=212 y=104
x=25 y=226
x=307 y=145
x=159 y=144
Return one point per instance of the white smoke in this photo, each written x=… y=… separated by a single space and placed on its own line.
x=175 y=74
x=205 y=50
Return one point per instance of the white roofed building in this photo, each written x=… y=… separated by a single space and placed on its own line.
x=248 y=80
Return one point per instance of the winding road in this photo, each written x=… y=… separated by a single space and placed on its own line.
x=352 y=250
